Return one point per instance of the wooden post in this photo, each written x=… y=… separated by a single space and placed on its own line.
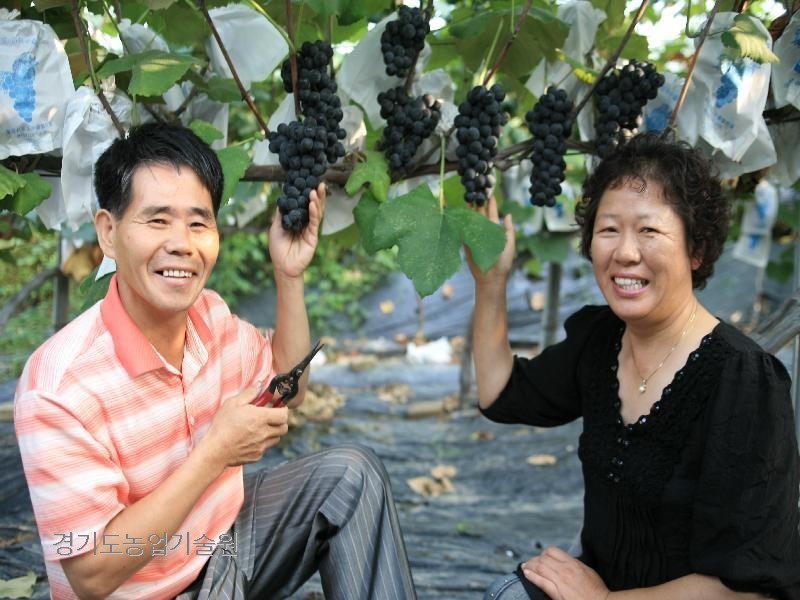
x=61 y=292
x=796 y=359
x=465 y=375
x=550 y=316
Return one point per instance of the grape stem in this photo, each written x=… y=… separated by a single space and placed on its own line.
x=201 y=4
x=504 y=52
x=692 y=63
x=612 y=60
x=76 y=20
x=292 y=57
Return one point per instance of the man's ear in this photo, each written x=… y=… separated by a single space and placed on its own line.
x=106 y=227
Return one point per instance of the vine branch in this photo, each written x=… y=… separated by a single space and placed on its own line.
x=692 y=64
x=292 y=57
x=612 y=60
x=245 y=94
x=76 y=20
x=502 y=56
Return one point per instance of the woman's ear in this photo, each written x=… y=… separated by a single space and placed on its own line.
x=105 y=225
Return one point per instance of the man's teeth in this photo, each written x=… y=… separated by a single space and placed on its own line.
x=173 y=273
x=630 y=284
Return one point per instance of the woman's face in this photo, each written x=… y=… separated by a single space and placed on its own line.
x=639 y=253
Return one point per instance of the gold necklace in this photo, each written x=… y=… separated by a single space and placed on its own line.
x=644 y=380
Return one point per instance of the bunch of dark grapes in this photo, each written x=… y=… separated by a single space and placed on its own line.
x=403 y=39
x=550 y=122
x=619 y=98
x=306 y=147
x=317 y=93
x=478 y=125
x=408 y=122
x=300 y=146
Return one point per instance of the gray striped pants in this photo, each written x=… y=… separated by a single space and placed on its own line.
x=332 y=511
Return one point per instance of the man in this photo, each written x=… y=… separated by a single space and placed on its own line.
x=134 y=420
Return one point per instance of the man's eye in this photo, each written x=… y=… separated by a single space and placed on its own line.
x=198 y=224
x=158 y=221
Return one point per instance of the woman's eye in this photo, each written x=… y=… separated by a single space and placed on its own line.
x=158 y=221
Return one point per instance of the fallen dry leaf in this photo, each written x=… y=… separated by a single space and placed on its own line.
x=447 y=291
x=444 y=471
x=541 y=460
x=387 y=307
x=396 y=393
x=537 y=301
x=319 y=405
x=481 y=436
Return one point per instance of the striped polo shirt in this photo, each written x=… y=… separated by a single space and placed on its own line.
x=101 y=420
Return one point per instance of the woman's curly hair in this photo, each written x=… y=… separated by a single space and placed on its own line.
x=690 y=184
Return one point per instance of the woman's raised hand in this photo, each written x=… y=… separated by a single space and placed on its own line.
x=499 y=273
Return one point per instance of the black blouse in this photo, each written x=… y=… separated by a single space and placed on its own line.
x=707 y=482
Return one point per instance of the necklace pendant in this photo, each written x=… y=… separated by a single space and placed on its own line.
x=643 y=386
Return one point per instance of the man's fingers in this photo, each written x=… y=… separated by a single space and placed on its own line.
x=277 y=416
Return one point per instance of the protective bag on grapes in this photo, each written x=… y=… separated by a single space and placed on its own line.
x=658 y=111
x=35 y=82
x=786 y=170
x=255 y=46
x=732 y=93
x=755 y=239
x=583 y=19
x=362 y=74
x=786 y=73
x=759 y=155
x=88 y=130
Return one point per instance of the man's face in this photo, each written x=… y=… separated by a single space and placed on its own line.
x=165 y=245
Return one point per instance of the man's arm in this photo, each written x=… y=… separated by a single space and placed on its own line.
x=240 y=433
x=291 y=254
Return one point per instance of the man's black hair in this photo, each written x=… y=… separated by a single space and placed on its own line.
x=153 y=144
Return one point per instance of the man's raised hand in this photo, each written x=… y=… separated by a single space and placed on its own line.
x=291 y=252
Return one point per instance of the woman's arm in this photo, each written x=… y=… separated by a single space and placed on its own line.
x=564 y=577
x=689 y=587
x=490 y=347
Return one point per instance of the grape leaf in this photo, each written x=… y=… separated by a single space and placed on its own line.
x=223 y=90
x=153 y=71
x=484 y=238
x=749 y=39
x=549 y=247
x=192 y=25
x=429 y=245
x=35 y=191
x=206 y=131
x=158 y=4
x=19 y=587
x=374 y=172
x=234 y=160
x=366 y=212
x=10 y=182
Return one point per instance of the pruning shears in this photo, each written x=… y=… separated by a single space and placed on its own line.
x=283 y=386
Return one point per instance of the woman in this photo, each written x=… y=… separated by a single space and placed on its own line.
x=688 y=448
